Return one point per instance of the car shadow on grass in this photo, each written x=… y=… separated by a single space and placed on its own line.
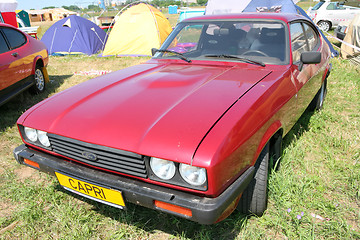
x=152 y=221
x=12 y=110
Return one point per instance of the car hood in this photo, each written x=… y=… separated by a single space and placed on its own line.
x=152 y=109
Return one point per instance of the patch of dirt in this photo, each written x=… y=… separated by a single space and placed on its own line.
x=24 y=173
x=6 y=208
x=160 y=236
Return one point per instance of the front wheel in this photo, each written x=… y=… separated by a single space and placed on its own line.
x=39 y=81
x=254 y=198
x=324 y=26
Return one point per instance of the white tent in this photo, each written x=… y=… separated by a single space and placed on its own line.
x=221 y=7
x=234 y=6
x=351 y=45
x=8 y=5
x=7 y=12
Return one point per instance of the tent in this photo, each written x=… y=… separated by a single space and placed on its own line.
x=24 y=16
x=7 y=12
x=351 y=45
x=138 y=29
x=236 y=6
x=74 y=35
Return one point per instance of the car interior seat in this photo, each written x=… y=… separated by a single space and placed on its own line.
x=271 y=42
x=222 y=41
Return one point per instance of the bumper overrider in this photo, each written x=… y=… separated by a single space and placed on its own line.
x=203 y=210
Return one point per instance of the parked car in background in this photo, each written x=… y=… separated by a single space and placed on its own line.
x=327 y=14
x=353 y=3
x=23 y=62
x=341 y=30
x=192 y=132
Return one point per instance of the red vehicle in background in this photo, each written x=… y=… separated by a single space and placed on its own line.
x=193 y=131
x=23 y=62
x=7 y=12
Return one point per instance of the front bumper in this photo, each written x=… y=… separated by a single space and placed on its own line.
x=204 y=210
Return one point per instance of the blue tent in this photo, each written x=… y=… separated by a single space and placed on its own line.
x=74 y=35
x=236 y=6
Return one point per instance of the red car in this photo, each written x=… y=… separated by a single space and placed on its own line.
x=193 y=133
x=23 y=62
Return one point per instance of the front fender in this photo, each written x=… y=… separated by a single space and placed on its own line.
x=270 y=132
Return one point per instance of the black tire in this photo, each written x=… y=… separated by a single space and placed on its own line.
x=318 y=102
x=254 y=198
x=324 y=25
x=39 y=81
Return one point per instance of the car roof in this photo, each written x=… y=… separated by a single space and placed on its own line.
x=286 y=17
x=6 y=25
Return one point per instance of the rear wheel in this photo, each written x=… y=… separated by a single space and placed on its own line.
x=324 y=26
x=254 y=198
x=39 y=81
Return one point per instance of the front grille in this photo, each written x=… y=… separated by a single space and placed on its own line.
x=101 y=157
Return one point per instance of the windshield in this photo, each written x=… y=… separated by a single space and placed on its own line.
x=256 y=40
x=318 y=5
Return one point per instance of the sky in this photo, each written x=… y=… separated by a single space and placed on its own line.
x=39 y=4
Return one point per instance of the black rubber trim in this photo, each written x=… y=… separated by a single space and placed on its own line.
x=205 y=210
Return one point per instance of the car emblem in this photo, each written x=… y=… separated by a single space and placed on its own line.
x=89 y=156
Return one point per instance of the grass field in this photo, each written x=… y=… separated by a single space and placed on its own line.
x=315 y=193
x=318 y=179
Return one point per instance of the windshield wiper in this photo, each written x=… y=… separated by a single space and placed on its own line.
x=235 y=57
x=181 y=56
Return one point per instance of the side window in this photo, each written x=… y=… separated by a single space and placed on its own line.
x=15 y=38
x=3 y=44
x=331 y=6
x=298 y=41
x=311 y=36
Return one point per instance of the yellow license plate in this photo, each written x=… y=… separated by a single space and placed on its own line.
x=105 y=195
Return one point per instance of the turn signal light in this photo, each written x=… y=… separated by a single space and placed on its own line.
x=173 y=208
x=31 y=163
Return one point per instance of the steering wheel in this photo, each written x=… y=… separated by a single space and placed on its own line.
x=256 y=52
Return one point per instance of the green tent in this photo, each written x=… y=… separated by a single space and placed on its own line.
x=24 y=16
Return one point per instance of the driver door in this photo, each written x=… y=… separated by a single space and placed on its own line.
x=308 y=77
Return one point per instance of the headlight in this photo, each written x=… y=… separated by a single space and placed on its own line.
x=43 y=138
x=162 y=168
x=36 y=137
x=193 y=175
x=31 y=134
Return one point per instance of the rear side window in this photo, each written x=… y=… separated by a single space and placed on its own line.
x=303 y=38
x=311 y=37
x=3 y=44
x=298 y=41
x=15 y=38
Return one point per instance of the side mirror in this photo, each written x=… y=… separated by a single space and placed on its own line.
x=309 y=58
x=153 y=51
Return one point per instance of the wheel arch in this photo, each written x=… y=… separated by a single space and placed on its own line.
x=273 y=136
x=39 y=62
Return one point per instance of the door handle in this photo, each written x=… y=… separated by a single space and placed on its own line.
x=15 y=54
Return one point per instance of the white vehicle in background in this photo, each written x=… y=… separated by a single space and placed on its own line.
x=327 y=14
